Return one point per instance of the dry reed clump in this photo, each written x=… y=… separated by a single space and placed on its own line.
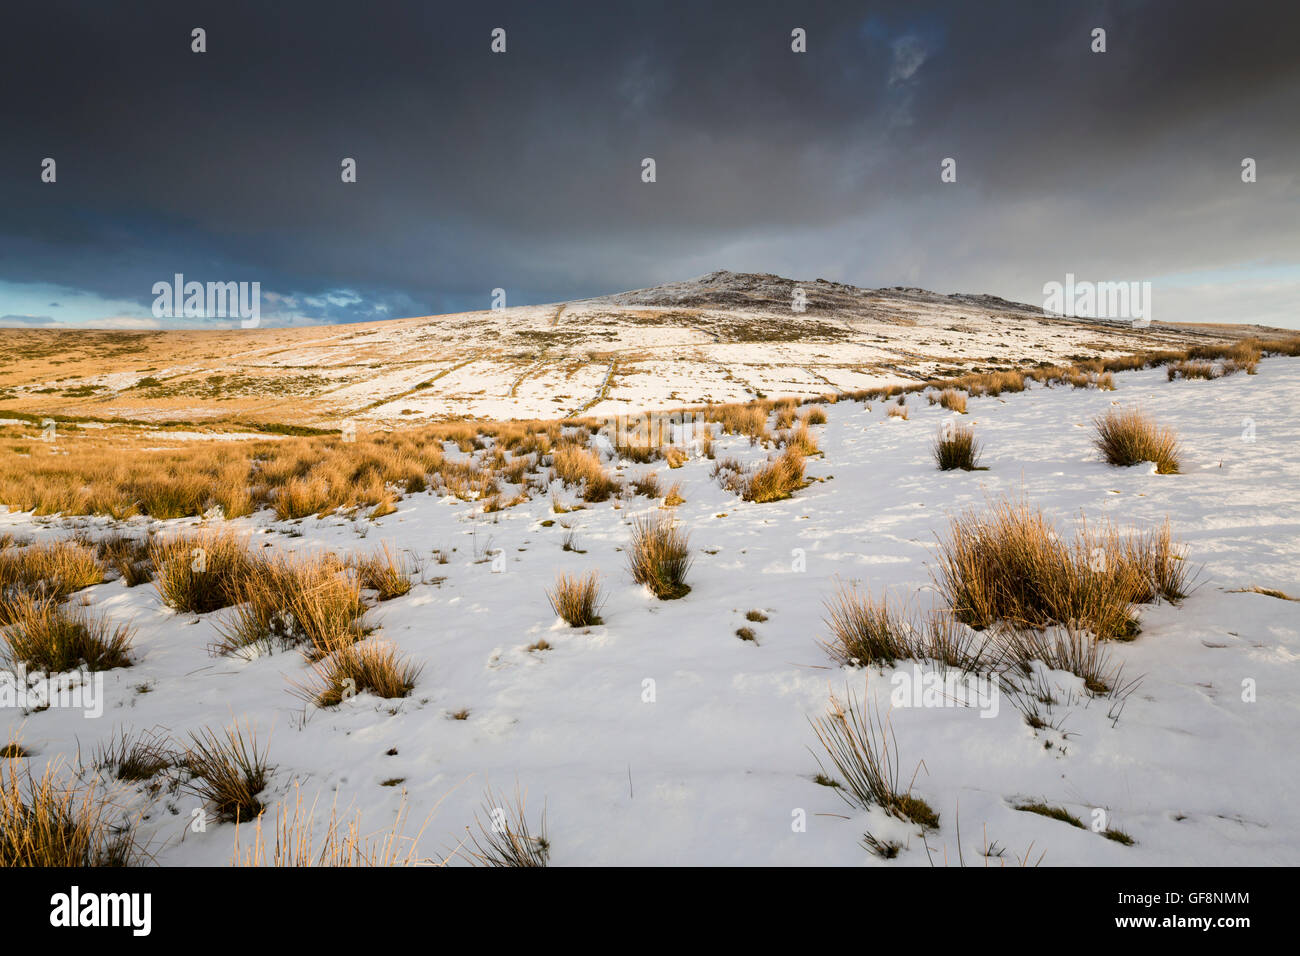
x=647 y=485
x=866 y=631
x=774 y=481
x=863 y=750
x=343 y=843
x=200 y=572
x=1010 y=566
x=576 y=465
x=577 y=599
x=505 y=839
x=134 y=758
x=384 y=573
x=815 y=415
x=1130 y=438
x=47 y=822
x=957 y=448
x=800 y=440
x=47 y=635
x=659 y=556
x=56 y=569
x=953 y=400
x=128 y=556
x=312 y=600
x=1191 y=369
x=353 y=668
x=899 y=411
x=228 y=771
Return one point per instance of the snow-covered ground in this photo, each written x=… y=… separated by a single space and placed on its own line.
x=717 y=767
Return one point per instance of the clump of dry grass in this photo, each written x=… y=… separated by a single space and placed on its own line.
x=49 y=636
x=863 y=750
x=956 y=447
x=800 y=440
x=866 y=631
x=647 y=485
x=1066 y=649
x=128 y=556
x=200 y=572
x=47 y=823
x=776 y=480
x=1009 y=565
x=899 y=411
x=505 y=838
x=815 y=415
x=342 y=845
x=56 y=569
x=228 y=771
x=577 y=599
x=953 y=400
x=1192 y=368
x=576 y=465
x=354 y=668
x=1130 y=437
x=134 y=758
x=383 y=572
x=673 y=498
x=659 y=556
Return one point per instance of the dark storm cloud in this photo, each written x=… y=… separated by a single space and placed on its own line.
x=523 y=170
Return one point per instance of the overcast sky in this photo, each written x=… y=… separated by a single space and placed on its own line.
x=522 y=170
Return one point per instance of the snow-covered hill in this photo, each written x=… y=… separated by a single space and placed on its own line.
x=723 y=337
x=715 y=764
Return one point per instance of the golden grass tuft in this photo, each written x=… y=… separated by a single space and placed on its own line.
x=577 y=599
x=1009 y=565
x=228 y=771
x=505 y=839
x=199 y=572
x=862 y=748
x=659 y=556
x=47 y=823
x=956 y=448
x=45 y=635
x=343 y=843
x=1129 y=438
x=353 y=668
x=384 y=573
x=953 y=400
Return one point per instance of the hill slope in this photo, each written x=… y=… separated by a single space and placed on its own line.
x=723 y=337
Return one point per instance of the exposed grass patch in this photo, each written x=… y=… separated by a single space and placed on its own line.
x=505 y=839
x=134 y=758
x=48 y=823
x=863 y=750
x=577 y=599
x=1009 y=565
x=354 y=668
x=228 y=771
x=200 y=572
x=956 y=447
x=1130 y=437
x=659 y=556
x=1051 y=812
x=46 y=635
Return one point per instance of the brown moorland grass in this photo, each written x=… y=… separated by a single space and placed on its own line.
x=1008 y=565
x=384 y=573
x=956 y=448
x=505 y=839
x=47 y=822
x=200 y=572
x=863 y=750
x=47 y=635
x=228 y=771
x=127 y=475
x=660 y=556
x=343 y=844
x=1129 y=437
x=577 y=599
x=353 y=668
